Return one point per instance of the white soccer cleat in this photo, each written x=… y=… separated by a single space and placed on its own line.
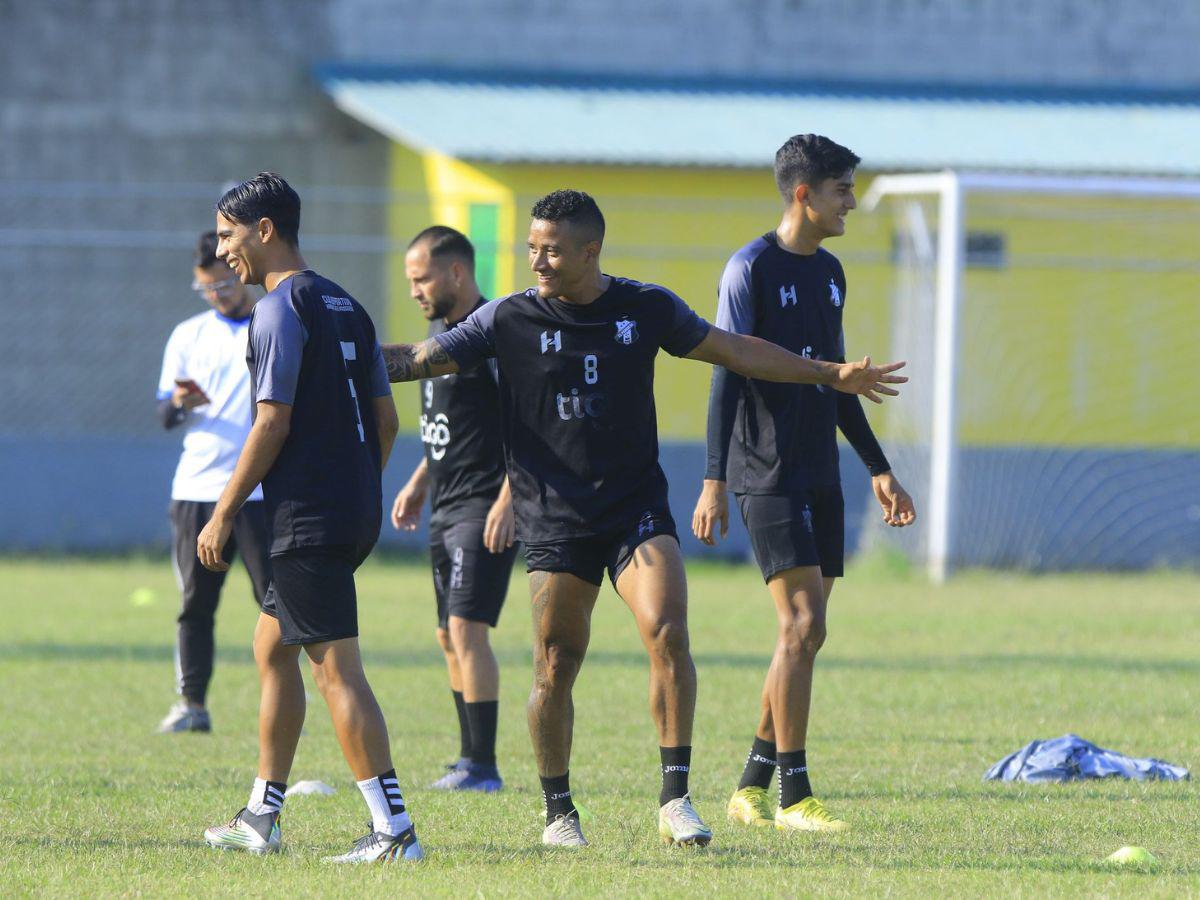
x=259 y=835
x=564 y=831
x=377 y=847
x=679 y=823
x=182 y=717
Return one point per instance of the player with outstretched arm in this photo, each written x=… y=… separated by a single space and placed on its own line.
x=576 y=361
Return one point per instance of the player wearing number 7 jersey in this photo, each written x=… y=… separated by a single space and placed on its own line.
x=576 y=361
x=324 y=423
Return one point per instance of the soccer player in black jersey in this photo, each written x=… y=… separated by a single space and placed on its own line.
x=471 y=514
x=576 y=361
x=324 y=423
x=775 y=446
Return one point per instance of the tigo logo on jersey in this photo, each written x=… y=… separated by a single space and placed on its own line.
x=436 y=434
x=549 y=341
x=835 y=296
x=787 y=295
x=627 y=331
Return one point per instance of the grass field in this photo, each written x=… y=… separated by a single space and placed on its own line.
x=918 y=691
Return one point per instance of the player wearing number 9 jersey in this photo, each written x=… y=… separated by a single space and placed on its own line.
x=324 y=424
x=576 y=363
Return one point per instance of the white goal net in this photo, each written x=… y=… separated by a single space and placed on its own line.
x=1051 y=328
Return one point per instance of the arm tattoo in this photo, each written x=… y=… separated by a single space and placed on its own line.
x=408 y=362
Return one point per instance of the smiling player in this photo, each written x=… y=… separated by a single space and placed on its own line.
x=576 y=360
x=783 y=463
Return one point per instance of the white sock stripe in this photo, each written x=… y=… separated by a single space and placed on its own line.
x=274 y=791
x=395 y=791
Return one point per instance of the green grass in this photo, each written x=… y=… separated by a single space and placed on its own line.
x=918 y=691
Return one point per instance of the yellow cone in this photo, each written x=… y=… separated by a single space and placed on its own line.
x=1133 y=856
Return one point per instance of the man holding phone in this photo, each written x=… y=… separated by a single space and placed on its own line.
x=205 y=387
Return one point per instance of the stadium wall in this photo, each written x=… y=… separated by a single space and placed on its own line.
x=121 y=124
x=111 y=495
x=1119 y=509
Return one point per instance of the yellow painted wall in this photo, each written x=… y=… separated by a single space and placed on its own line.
x=1052 y=355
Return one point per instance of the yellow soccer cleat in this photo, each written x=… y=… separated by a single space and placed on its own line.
x=749 y=806
x=807 y=815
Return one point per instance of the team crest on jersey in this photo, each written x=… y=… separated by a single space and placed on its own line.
x=627 y=331
x=835 y=296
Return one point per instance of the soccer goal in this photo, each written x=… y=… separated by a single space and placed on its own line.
x=1051 y=326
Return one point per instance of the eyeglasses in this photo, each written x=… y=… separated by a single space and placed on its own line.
x=216 y=287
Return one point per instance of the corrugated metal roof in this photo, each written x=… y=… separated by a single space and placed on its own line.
x=577 y=120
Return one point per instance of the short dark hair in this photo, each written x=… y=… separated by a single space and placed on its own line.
x=446 y=242
x=574 y=207
x=810 y=159
x=205 y=254
x=265 y=196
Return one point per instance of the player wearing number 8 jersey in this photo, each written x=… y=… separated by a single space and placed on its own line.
x=576 y=360
x=324 y=423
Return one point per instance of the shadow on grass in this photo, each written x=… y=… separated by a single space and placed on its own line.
x=375 y=656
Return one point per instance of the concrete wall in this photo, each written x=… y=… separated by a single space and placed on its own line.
x=120 y=120
x=1014 y=42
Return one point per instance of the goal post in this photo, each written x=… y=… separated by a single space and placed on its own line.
x=1084 y=218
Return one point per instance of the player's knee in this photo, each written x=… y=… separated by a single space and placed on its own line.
x=668 y=638
x=196 y=617
x=444 y=640
x=558 y=663
x=270 y=654
x=804 y=634
x=330 y=676
x=468 y=636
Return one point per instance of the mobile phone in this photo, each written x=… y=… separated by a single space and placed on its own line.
x=189 y=385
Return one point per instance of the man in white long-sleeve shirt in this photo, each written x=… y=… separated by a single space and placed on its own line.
x=205 y=389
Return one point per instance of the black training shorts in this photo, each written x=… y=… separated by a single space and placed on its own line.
x=469 y=581
x=312 y=593
x=804 y=528
x=588 y=557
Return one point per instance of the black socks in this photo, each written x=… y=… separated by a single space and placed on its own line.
x=675 y=764
x=464 y=725
x=793 y=778
x=556 y=793
x=760 y=765
x=481 y=719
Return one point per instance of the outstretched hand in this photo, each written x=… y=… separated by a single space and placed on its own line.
x=868 y=380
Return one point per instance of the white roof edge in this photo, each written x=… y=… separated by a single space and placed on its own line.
x=531 y=124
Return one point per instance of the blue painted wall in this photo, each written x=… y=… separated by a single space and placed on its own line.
x=1029 y=509
x=111 y=494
